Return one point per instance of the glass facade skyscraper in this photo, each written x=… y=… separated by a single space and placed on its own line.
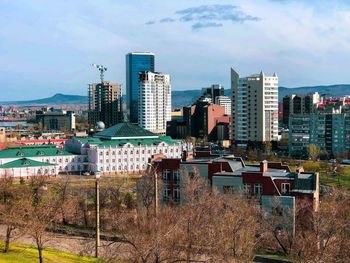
x=135 y=63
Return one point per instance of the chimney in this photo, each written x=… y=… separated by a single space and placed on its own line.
x=263 y=166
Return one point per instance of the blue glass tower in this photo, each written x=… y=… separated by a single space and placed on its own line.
x=135 y=63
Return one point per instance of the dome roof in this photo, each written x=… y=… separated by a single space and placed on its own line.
x=100 y=125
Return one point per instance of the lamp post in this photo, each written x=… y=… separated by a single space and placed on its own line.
x=97 y=202
x=155 y=189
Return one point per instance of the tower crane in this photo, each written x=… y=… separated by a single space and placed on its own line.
x=102 y=70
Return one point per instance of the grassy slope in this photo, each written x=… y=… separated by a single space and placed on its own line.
x=23 y=253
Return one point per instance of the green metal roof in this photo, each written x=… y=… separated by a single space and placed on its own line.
x=136 y=142
x=125 y=130
x=32 y=151
x=24 y=162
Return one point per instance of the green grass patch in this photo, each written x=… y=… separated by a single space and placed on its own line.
x=24 y=253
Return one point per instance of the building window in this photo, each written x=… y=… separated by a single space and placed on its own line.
x=228 y=189
x=166 y=176
x=166 y=194
x=285 y=188
x=176 y=177
x=257 y=189
x=176 y=195
x=246 y=188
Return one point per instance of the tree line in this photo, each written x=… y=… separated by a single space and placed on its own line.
x=208 y=226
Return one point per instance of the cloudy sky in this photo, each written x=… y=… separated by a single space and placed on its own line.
x=47 y=47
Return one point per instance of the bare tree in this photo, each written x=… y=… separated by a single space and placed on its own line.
x=11 y=212
x=42 y=208
x=207 y=225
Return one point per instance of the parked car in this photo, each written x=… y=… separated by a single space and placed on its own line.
x=345 y=161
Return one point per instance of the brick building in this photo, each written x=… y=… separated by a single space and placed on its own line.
x=268 y=182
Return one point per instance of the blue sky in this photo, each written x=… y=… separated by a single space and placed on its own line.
x=47 y=47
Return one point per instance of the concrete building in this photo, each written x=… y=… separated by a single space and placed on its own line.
x=154 y=101
x=299 y=104
x=269 y=183
x=202 y=120
x=105 y=103
x=329 y=131
x=136 y=62
x=225 y=102
x=56 y=120
x=254 y=108
x=211 y=93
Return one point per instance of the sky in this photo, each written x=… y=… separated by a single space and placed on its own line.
x=47 y=47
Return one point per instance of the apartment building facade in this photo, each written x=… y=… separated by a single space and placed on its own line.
x=254 y=108
x=105 y=103
x=329 y=131
x=299 y=104
x=154 y=101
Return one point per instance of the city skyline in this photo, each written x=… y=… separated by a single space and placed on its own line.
x=47 y=48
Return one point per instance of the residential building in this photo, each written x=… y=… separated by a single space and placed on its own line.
x=269 y=183
x=330 y=131
x=105 y=104
x=299 y=104
x=154 y=101
x=225 y=102
x=56 y=119
x=254 y=108
x=136 y=62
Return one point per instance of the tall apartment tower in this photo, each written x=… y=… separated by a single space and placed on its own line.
x=105 y=103
x=154 y=101
x=136 y=62
x=254 y=108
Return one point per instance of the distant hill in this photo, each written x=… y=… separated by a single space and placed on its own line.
x=331 y=90
x=55 y=99
x=181 y=98
x=186 y=97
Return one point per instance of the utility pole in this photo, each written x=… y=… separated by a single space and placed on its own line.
x=155 y=194
x=97 y=189
x=155 y=188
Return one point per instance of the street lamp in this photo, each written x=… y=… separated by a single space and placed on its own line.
x=155 y=185
x=97 y=202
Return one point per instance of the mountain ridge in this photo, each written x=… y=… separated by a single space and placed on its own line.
x=182 y=98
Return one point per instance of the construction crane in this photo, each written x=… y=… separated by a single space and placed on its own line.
x=102 y=70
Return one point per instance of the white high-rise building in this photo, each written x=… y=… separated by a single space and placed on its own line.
x=154 y=101
x=254 y=108
x=225 y=102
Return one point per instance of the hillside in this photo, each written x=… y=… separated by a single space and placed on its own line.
x=55 y=99
x=182 y=98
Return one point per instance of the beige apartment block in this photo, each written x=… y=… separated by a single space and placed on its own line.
x=254 y=108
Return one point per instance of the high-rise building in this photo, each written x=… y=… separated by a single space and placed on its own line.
x=213 y=91
x=225 y=102
x=299 y=104
x=154 y=101
x=136 y=62
x=105 y=103
x=254 y=108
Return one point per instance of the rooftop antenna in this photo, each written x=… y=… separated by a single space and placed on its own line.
x=102 y=70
